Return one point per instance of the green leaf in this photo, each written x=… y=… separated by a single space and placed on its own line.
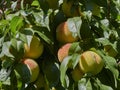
x=51 y=72
x=107 y=78
x=44 y=5
x=24 y=72
x=75 y=48
x=7 y=62
x=74 y=60
x=63 y=68
x=4 y=74
x=106 y=42
x=102 y=3
x=5 y=49
x=85 y=84
x=35 y=3
x=105 y=87
x=17 y=48
x=81 y=84
x=104 y=25
x=3 y=23
x=74 y=25
x=1 y=41
x=16 y=24
x=111 y=64
x=44 y=34
x=13 y=81
x=85 y=31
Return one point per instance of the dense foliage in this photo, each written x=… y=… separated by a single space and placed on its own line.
x=96 y=24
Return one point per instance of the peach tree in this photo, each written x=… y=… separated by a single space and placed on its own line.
x=67 y=44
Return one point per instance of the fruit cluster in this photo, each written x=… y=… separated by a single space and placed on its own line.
x=59 y=45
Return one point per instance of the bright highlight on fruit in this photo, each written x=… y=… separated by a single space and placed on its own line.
x=64 y=35
x=91 y=62
x=33 y=67
x=63 y=52
x=35 y=49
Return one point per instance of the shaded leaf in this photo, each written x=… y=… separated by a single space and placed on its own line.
x=24 y=72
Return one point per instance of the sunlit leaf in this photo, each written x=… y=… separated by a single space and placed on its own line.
x=74 y=24
x=16 y=24
x=63 y=68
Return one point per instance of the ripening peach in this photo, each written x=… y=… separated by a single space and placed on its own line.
x=63 y=51
x=35 y=49
x=64 y=34
x=33 y=67
x=77 y=73
x=91 y=62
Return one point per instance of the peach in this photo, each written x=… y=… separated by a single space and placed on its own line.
x=77 y=74
x=64 y=35
x=63 y=51
x=91 y=62
x=35 y=49
x=33 y=67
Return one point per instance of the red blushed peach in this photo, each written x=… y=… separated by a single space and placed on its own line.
x=64 y=35
x=63 y=51
x=33 y=67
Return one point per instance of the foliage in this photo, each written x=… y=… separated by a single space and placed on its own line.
x=20 y=20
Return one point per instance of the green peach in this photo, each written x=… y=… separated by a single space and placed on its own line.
x=77 y=74
x=35 y=49
x=91 y=62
